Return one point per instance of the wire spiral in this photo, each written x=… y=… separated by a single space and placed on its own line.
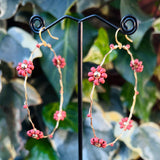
x=36 y=19
x=123 y=24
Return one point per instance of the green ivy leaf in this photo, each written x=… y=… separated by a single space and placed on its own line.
x=8 y=8
x=16 y=45
x=70 y=122
x=66 y=46
x=100 y=48
x=145 y=100
x=130 y=7
x=40 y=150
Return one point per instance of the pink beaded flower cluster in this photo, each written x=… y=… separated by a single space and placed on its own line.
x=59 y=115
x=136 y=65
x=59 y=61
x=25 y=68
x=123 y=122
x=34 y=133
x=97 y=75
x=98 y=142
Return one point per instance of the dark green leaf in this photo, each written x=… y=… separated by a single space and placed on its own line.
x=40 y=150
x=145 y=100
x=83 y=4
x=130 y=7
x=8 y=8
x=70 y=122
x=66 y=46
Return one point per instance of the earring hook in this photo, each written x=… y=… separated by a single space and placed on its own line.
x=116 y=39
x=40 y=36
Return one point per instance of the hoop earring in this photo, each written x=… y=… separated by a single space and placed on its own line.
x=98 y=75
x=25 y=70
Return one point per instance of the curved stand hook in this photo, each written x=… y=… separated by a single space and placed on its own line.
x=124 y=27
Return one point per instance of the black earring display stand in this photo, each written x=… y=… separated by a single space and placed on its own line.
x=124 y=30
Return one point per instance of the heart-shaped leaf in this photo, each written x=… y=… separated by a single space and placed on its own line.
x=130 y=7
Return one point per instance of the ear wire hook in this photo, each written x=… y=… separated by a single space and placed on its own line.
x=116 y=39
x=40 y=36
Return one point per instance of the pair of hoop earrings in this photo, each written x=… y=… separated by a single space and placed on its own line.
x=96 y=75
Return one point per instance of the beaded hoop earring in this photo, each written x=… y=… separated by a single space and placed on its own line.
x=25 y=69
x=98 y=75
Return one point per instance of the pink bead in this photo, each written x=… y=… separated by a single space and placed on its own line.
x=111 y=46
x=99 y=68
x=91 y=79
x=96 y=82
x=90 y=74
x=128 y=46
x=101 y=80
x=93 y=69
x=25 y=106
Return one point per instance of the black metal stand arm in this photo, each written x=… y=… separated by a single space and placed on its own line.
x=124 y=30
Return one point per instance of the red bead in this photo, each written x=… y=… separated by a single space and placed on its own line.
x=38 y=45
x=128 y=46
x=90 y=79
x=25 y=106
x=111 y=46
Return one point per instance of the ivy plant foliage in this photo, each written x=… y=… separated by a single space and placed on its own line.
x=66 y=46
x=143 y=139
x=57 y=8
x=40 y=150
x=21 y=43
